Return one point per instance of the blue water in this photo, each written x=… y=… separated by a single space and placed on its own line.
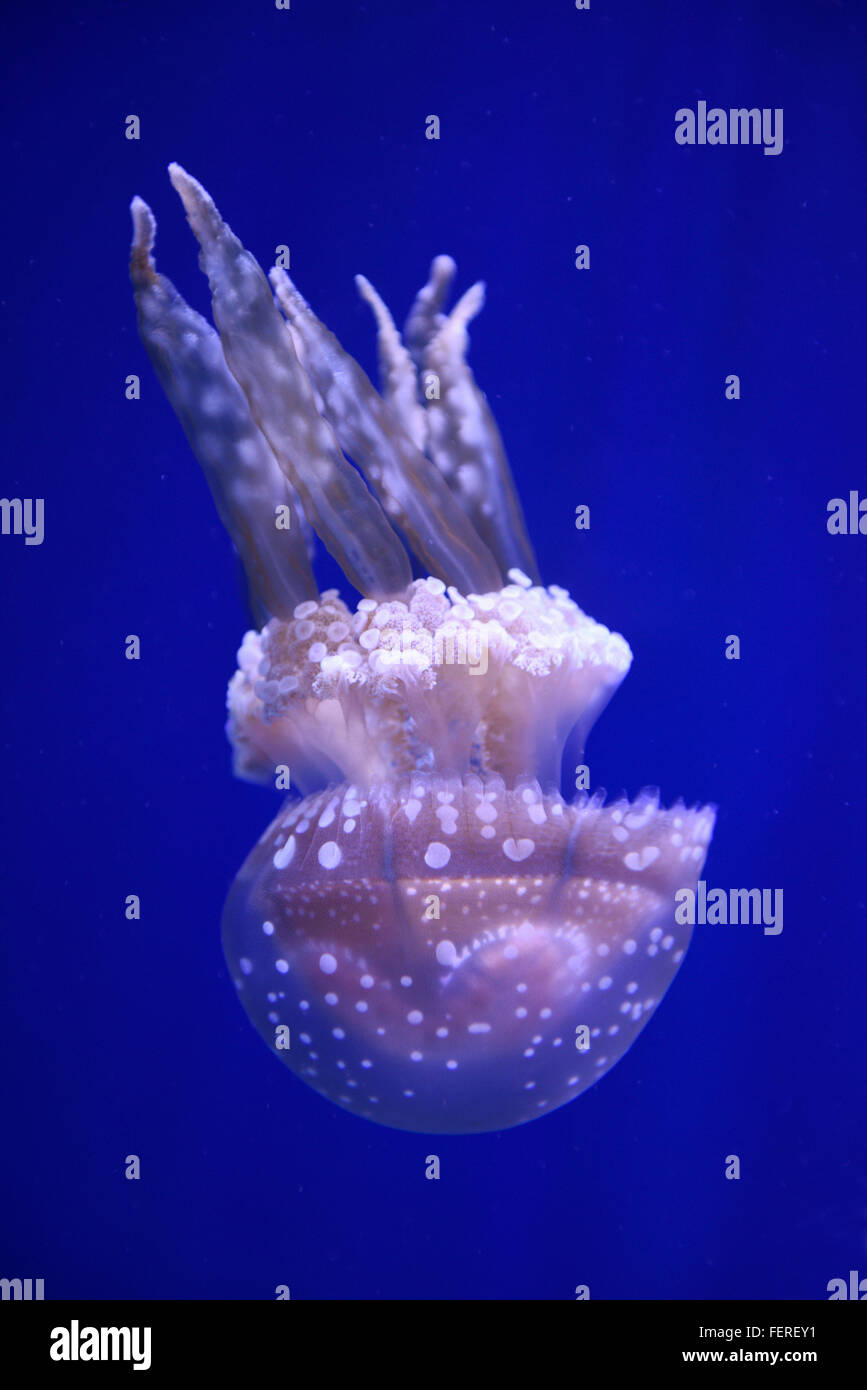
x=708 y=519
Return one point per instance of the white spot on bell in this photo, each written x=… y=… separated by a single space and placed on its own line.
x=516 y=850
x=446 y=953
x=330 y=854
x=284 y=856
x=638 y=861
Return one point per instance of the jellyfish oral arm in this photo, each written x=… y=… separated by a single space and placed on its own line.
x=260 y=354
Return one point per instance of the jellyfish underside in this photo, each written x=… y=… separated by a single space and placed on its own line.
x=431 y=937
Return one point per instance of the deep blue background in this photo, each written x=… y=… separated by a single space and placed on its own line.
x=708 y=518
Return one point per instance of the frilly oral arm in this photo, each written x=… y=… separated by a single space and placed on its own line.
x=242 y=473
x=425 y=316
x=466 y=445
x=412 y=490
x=259 y=352
x=397 y=373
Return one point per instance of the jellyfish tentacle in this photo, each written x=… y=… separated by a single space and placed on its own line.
x=259 y=352
x=466 y=444
x=247 y=485
x=413 y=491
x=398 y=378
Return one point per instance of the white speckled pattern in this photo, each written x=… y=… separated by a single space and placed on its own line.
x=433 y=976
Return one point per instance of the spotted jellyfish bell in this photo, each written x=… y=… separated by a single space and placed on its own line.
x=432 y=938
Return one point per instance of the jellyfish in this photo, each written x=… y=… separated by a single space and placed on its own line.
x=427 y=933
